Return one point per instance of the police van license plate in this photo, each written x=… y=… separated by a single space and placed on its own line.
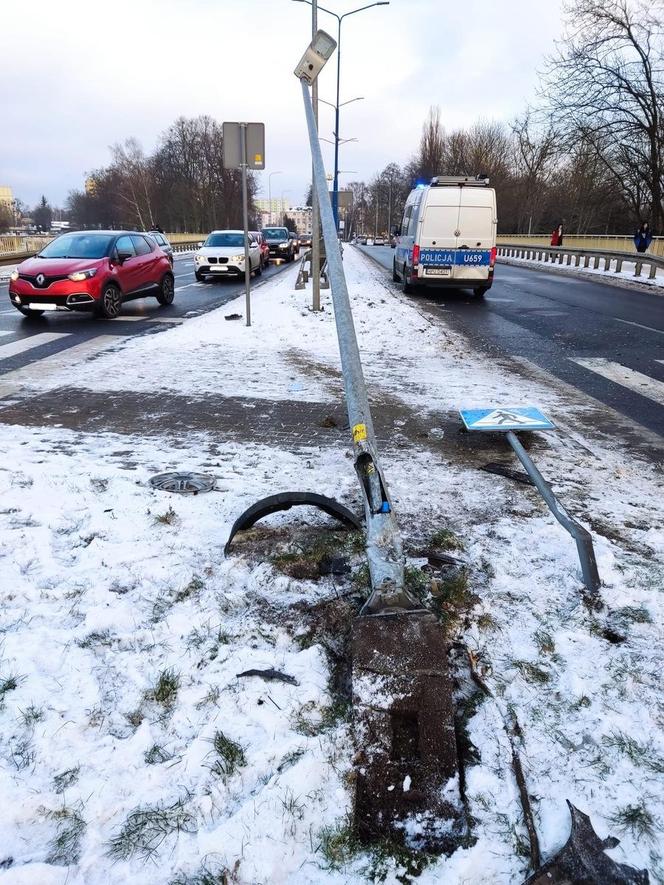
x=438 y=271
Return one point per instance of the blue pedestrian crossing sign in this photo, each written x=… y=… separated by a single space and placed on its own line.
x=504 y=419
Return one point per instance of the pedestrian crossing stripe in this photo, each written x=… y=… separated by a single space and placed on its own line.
x=505 y=418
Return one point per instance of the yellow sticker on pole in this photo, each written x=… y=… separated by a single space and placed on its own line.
x=359 y=433
x=258 y=159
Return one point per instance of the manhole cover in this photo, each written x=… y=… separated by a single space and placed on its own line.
x=183 y=483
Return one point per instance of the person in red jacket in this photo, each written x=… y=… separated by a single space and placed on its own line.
x=557 y=236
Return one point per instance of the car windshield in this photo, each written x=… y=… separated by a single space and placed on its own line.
x=78 y=246
x=274 y=232
x=225 y=240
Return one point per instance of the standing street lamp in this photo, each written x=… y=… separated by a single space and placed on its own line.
x=283 y=211
x=269 y=190
x=340 y=18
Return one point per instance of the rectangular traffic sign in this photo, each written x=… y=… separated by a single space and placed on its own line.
x=255 y=145
x=505 y=418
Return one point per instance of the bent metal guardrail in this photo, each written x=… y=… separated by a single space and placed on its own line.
x=556 y=255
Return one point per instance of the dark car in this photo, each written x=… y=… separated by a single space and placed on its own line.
x=163 y=243
x=94 y=271
x=280 y=243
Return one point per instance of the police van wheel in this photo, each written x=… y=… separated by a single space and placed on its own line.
x=406 y=287
x=480 y=291
x=395 y=276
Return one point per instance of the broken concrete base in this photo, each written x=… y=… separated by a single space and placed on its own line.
x=406 y=764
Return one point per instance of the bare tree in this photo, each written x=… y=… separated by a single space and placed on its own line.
x=134 y=181
x=604 y=89
x=429 y=160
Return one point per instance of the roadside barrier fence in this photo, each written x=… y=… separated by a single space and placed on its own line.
x=611 y=259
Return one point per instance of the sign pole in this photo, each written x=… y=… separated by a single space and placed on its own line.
x=245 y=221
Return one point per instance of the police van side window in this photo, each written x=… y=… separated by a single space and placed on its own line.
x=412 y=222
x=406 y=221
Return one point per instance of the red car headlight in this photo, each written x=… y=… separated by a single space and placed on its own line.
x=13 y=276
x=80 y=275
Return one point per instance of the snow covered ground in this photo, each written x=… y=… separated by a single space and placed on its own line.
x=626 y=274
x=130 y=751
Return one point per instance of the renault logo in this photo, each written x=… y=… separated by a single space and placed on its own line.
x=41 y=279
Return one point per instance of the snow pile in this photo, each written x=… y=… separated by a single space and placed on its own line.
x=130 y=749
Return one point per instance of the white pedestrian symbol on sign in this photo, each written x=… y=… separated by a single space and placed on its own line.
x=503 y=416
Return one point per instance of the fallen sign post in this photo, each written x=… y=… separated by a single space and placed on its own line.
x=509 y=421
x=244 y=148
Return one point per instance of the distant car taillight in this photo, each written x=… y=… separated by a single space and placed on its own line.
x=492 y=257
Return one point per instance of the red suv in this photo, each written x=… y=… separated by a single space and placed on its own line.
x=94 y=271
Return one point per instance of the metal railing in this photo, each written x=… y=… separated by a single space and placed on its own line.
x=607 y=242
x=26 y=247
x=613 y=259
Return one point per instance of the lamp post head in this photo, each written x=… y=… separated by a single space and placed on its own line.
x=314 y=59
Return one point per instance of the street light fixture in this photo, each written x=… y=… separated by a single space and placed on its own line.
x=339 y=141
x=350 y=101
x=269 y=190
x=339 y=18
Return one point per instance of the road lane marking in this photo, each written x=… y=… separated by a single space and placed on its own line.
x=130 y=319
x=630 y=323
x=173 y=320
x=69 y=358
x=17 y=347
x=500 y=300
x=633 y=380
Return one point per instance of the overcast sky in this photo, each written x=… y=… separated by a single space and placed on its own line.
x=79 y=75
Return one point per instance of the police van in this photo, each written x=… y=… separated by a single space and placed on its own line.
x=448 y=235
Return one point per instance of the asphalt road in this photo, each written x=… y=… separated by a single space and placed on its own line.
x=605 y=340
x=25 y=341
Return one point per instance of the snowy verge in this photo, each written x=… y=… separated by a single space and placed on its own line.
x=123 y=627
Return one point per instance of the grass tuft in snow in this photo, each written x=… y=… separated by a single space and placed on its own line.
x=230 y=756
x=147 y=827
x=166 y=688
x=444 y=539
x=66 y=779
x=292 y=812
x=531 y=672
x=96 y=638
x=170 y=517
x=32 y=715
x=636 y=614
x=310 y=560
x=640 y=755
x=7 y=684
x=65 y=849
x=636 y=820
x=338 y=845
x=190 y=589
x=21 y=753
x=312 y=719
x=206 y=876
x=544 y=642
x=156 y=755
